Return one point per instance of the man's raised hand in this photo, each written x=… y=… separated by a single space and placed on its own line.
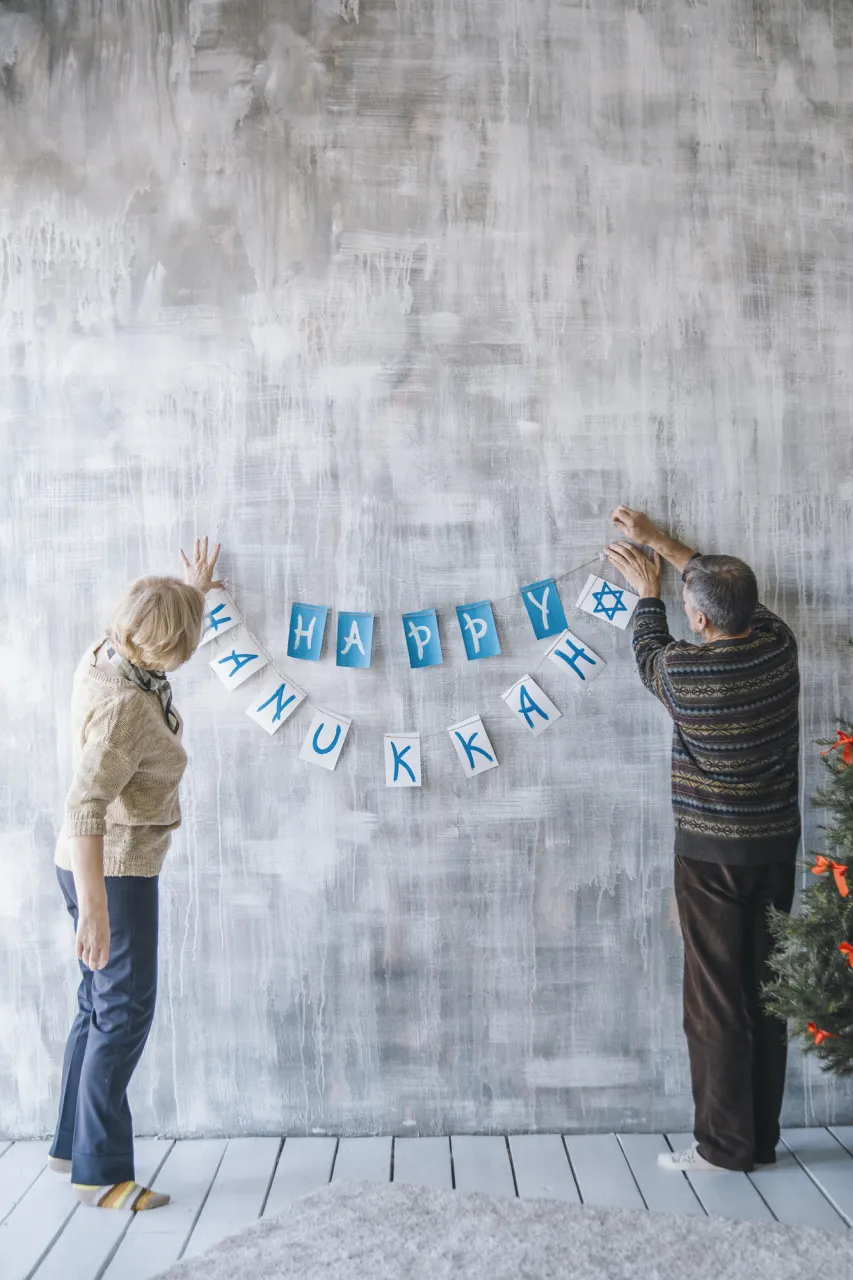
x=636 y=526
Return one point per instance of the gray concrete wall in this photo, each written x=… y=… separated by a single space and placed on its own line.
x=400 y=308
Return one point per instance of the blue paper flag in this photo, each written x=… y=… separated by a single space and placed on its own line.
x=422 y=639
x=478 y=630
x=355 y=639
x=544 y=607
x=305 y=638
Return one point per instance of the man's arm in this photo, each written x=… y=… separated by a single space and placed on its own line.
x=637 y=527
x=651 y=633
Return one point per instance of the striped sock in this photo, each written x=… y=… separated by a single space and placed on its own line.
x=129 y=1196
x=57 y=1165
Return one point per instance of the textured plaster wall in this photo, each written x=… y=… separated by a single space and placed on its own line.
x=399 y=300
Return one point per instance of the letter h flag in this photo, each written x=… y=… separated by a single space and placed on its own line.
x=305 y=638
x=219 y=616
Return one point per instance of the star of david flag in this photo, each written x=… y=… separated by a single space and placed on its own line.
x=275 y=700
x=402 y=760
x=325 y=739
x=219 y=616
x=479 y=632
x=544 y=608
x=602 y=599
x=238 y=659
x=531 y=706
x=576 y=660
x=355 y=639
x=476 y=754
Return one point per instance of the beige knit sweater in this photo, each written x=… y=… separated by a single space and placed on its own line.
x=127 y=769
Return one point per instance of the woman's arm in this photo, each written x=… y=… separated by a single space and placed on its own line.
x=93 y=920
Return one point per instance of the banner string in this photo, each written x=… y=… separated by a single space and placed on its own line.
x=424 y=737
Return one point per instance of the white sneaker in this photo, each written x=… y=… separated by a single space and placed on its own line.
x=688 y=1161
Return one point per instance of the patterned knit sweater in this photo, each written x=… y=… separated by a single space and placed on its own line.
x=735 y=750
x=127 y=768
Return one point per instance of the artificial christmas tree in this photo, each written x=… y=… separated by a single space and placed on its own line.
x=812 y=983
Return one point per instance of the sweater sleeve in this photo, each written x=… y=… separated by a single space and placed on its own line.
x=651 y=640
x=109 y=759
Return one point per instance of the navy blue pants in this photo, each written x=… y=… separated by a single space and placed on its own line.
x=115 y=1012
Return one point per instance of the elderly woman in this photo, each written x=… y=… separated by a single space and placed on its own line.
x=120 y=813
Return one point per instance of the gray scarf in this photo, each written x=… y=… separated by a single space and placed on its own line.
x=151 y=681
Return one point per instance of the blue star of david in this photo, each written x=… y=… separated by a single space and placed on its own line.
x=609 y=610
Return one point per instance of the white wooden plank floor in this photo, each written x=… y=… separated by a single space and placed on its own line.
x=219 y=1186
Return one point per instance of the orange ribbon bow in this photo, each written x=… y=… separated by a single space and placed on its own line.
x=847 y=951
x=819 y=1036
x=845 y=740
x=838 y=870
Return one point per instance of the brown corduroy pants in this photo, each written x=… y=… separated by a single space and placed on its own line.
x=738 y=1053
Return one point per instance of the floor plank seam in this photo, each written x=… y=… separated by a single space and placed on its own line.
x=204 y=1201
x=102 y=1270
x=762 y=1198
x=631 y=1171
x=572 y=1169
x=27 y=1189
x=272 y=1177
x=393 y=1149
x=512 y=1167
x=334 y=1159
x=32 y=1271
x=452 y=1165
x=845 y=1218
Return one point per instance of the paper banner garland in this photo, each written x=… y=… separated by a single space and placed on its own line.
x=422 y=639
x=544 y=608
x=235 y=665
x=477 y=624
x=219 y=616
x=274 y=701
x=402 y=760
x=613 y=604
x=355 y=639
x=325 y=739
x=576 y=659
x=476 y=754
x=305 y=638
x=531 y=706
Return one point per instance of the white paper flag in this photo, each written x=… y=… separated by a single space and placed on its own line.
x=475 y=752
x=602 y=600
x=402 y=760
x=275 y=700
x=531 y=706
x=325 y=739
x=575 y=659
x=238 y=659
x=219 y=616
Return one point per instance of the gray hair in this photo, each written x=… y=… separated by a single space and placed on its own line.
x=724 y=589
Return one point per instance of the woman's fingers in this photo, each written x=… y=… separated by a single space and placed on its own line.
x=184 y=559
x=212 y=564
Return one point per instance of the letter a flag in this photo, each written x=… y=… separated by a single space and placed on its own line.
x=275 y=700
x=476 y=754
x=544 y=608
x=402 y=760
x=355 y=639
x=478 y=630
x=238 y=659
x=325 y=739
x=575 y=659
x=422 y=640
x=530 y=706
x=219 y=616
x=305 y=638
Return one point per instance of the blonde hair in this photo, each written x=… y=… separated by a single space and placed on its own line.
x=157 y=623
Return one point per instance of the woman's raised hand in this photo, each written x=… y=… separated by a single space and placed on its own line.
x=199 y=573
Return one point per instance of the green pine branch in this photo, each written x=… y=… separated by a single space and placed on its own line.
x=812 y=981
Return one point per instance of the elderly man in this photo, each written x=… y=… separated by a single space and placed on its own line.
x=733 y=699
